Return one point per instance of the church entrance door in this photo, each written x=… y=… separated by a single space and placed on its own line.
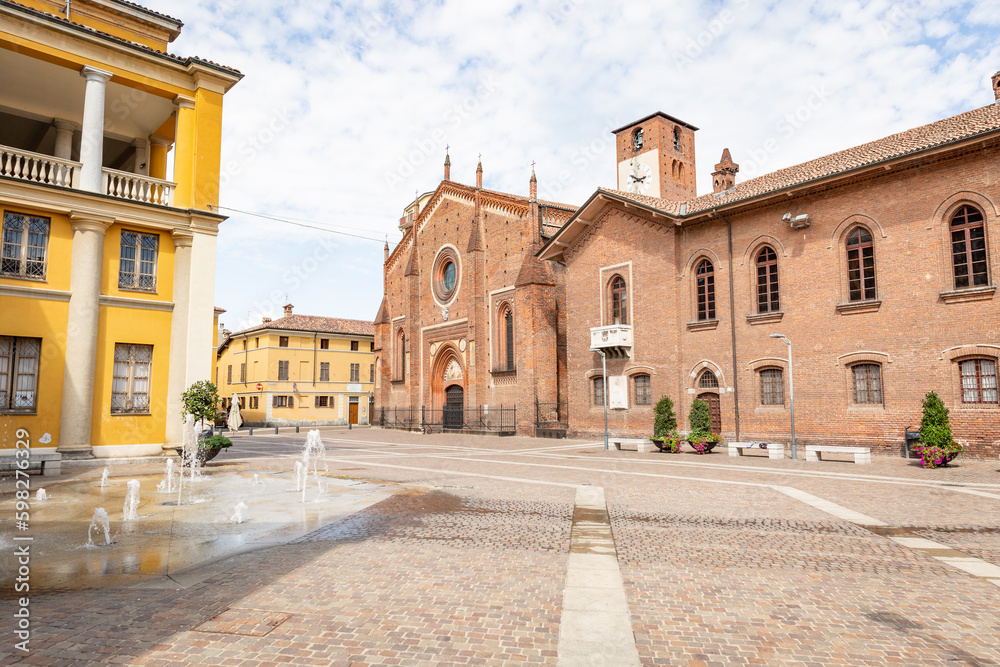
x=454 y=406
x=714 y=410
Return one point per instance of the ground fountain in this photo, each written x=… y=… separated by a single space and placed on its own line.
x=130 y=512
x=167 y=485
x=238 y=511
x=104 y=478
x=256 y=480
x=189 y=453
x=299 y=476
x=313 y=453
x=41 y=495
x=100 y=520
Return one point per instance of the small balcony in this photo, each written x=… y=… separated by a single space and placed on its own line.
x=615 y=340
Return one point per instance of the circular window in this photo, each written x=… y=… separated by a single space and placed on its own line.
x=446 y=275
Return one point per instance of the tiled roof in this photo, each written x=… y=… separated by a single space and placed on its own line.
x=315 y=323
x=135 y=45
x=933 y=135
x=147 y=10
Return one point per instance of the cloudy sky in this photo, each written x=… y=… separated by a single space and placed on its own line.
x=347 y=107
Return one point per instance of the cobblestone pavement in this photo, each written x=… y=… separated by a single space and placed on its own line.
x=467 y=562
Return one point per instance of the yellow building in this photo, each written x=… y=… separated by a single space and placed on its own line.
x=108 y=261
x=299 y=370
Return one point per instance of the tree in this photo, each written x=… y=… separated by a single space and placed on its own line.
x=700 y=418
x=200 y=400
x=935 y=425
x=665 y=421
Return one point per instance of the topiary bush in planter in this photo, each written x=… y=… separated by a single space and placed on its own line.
x=665 y=434
x=937 y=446
x=701 y=436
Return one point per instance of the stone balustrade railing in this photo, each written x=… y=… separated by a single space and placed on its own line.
x=38 y=168
x=136 y=187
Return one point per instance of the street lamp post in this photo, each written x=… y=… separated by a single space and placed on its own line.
x=791 y=387
x=604 y=380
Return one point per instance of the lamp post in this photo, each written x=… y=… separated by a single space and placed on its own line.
x=791 y=387
x=604 y=379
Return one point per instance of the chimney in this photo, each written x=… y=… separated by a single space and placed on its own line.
x=288 y=309
x=265 y=320
x=996 y=87
x=226 y=333
x=724 y=176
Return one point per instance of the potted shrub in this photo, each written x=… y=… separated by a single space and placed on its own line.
x=937 y=447
x=201 y=400
x=665 y=435
x=209 y=448
x=701 y=436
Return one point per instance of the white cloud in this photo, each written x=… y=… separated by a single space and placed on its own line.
x=346 y=107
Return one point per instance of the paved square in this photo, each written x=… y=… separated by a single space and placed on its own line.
x=486 y=554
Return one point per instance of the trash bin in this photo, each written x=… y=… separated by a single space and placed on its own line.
x=911 y=439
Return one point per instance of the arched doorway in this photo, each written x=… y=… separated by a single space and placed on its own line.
x=708 y=383
x=454 y=406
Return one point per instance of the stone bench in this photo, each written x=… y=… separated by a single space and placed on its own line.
x=641 y=444
x=861 y=454
x=775 y=450
x=49 y=464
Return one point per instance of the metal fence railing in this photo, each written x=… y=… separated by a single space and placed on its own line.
x=500 y=420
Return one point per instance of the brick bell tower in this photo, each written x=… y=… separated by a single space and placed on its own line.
x=656 y=157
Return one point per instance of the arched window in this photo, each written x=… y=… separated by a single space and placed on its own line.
x=979 y=380
x=767 y=281
x=400 y=370
x=619 y=301
x=867 y=383
x=677 y=139
x=504 y=360
x=968 y=247
x=637 y=139
x=772 y=387
x=860 y=265
x=708 y=380
x=705 y=277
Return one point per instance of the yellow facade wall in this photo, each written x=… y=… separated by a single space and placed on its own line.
x=164 y=264
x=60 y=250
x=142 y=327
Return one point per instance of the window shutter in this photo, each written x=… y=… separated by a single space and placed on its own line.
x=274 y=401
x=291 y=401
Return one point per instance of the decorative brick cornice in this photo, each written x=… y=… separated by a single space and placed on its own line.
x=976 y=350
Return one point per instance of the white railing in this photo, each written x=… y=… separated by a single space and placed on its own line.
x=136 y=187
x=38 y=168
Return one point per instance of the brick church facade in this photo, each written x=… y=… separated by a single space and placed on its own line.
x=879 y=265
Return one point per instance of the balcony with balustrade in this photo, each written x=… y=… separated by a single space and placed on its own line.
x=80 y=130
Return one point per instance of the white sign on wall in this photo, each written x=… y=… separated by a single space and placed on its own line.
x=617 y=392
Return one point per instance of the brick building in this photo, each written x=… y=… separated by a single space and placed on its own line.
x=879 y=263
x=469 y=328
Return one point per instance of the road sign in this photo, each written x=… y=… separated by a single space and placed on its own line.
x=260 y=386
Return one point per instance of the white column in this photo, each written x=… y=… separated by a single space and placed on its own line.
x=92 y=138
x=177 y=380
x=81 y=334
x=64 y=138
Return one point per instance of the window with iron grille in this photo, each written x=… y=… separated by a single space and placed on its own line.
x=354 y=346
x=860 y=265
x=867 y=384
x=229 y=374
x=708 y=380
x=772 y=387
x=25 y=245
x=243 y=373
x=324 y=371
x=282 y=341
x=355 y=372
x=705 y=281
x=137 y=265
x=19 y=362
x=979 y=380
x=324 y=343
x=968 y=248
x=321 y=402
x=282 y=370
x=767 y=281
x=131 y=382
x=643 y=396
x=598 y=383
x=619 y=301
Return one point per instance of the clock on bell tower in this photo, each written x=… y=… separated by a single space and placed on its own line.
x=656 y=157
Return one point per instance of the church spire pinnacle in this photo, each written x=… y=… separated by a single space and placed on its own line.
x=479 y=172
x=533 y=183
x=447 y=164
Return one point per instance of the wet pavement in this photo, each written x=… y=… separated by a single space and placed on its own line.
x=466 y=558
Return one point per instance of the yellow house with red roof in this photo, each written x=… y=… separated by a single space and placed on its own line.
x=299 y=370
x=108 y=245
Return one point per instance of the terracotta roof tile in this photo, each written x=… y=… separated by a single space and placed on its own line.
x=148 y=10
x=315 y=323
